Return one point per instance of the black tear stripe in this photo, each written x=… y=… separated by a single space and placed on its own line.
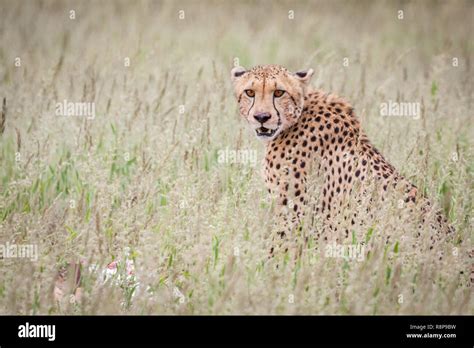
x=240 y=97
x=293 y=99
x=251 y=106
x=278 y=112
x=294 y=102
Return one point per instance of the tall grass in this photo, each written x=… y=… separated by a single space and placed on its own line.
x=142 y=181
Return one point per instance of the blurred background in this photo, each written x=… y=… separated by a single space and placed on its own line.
x=142 y=180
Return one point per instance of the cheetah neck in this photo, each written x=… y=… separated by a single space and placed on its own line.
x=325 y=119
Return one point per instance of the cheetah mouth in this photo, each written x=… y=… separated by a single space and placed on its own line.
x=265 y=132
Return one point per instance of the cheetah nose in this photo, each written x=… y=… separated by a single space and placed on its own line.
x=262 y=117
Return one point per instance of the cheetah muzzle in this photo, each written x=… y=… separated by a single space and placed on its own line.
x=263 y=132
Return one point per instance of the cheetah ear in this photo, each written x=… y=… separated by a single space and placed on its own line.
x=304 y=75
x=237 y=72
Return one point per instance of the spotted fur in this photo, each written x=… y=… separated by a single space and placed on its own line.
x=311 y=131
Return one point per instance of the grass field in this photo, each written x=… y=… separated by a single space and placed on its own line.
x=142 y=181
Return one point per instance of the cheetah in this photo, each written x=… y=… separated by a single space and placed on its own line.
x=306 y=131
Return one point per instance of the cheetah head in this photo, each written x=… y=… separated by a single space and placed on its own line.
x=270 y=97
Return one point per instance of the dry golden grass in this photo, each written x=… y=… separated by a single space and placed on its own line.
x=143 y=178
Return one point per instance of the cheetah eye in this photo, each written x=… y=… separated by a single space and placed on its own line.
x=278 y=93
x=250 y=93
